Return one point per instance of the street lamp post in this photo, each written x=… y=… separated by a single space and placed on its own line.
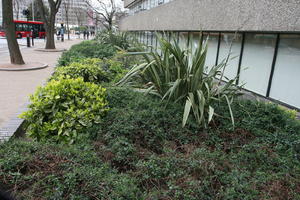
x=26 y=13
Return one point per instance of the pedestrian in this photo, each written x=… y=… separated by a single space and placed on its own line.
x=84 y=34
x=87 y=34
x=58 y=34
x=62 y=32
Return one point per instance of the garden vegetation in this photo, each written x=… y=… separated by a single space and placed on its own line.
x=90 y=139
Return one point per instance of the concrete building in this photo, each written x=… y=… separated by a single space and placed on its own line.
x=77 y=10
x=18 y=7
x=265 y=38
x=77 y=13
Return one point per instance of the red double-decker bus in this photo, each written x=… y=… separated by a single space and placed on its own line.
x=34 y=29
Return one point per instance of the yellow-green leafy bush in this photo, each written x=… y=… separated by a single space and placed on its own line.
x=93 y=70
x=64 y=109
x=89 y=69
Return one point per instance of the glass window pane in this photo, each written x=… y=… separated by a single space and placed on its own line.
x=286 y=79
x=183 y=39
x=257 y=61
x=195 y=39
x=212 y=42
x=25 y=27
x=144 y=38
x=233 y=41
x=159 y=35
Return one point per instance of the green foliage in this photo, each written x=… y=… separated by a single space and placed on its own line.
x=52 y=171
x=119 y=39
x=89 y=69
x=86 y=49
x=116 y=70
x=179 y=76
x=142 y=152
x=177 y=162
x=64 y=109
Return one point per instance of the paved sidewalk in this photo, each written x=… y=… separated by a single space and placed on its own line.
x=16 y=86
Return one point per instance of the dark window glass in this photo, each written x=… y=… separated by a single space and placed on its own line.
x=19 y=27
x=25 y=27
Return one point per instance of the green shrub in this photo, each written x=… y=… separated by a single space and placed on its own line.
x=64 y=109
x=177 y=162
x=93 y=70
x=143 y=152
x=144 y=120
x=33 y=170
x=178 y=75
x=119 y=39
x=86 y=49
x=116 y=70
x=90 y=69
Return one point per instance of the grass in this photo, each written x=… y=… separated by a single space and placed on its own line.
x=141 y=151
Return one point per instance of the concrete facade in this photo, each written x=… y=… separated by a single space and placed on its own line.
x=223 y=15
x=77 y=13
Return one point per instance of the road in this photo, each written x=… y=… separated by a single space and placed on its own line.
x=22 y=44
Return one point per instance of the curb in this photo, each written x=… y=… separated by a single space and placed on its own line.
x=50 y=50
x=25 y=69
x=14 y=127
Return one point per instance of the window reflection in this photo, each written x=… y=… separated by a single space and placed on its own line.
x=212 y=42
x=286 y=78
x=230 y=43
x=257 y=61
x=183 y=40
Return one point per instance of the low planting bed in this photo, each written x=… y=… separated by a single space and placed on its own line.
x=140 y=151
x=90 y=139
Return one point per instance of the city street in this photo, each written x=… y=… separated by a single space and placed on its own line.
x=15 y=87
x=22 y=43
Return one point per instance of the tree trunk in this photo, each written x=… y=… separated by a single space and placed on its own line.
x=10 y=32
x=49 y=21
x=50 y=43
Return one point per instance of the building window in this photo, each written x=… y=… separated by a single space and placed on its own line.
x=233 y=41
x=212 y=40
x=183 y=39
x=257 y=61
x=195 y=40
x=286 y=78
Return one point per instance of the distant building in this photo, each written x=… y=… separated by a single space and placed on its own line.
x=77 y=13
x=264 y=36
x=18 y=7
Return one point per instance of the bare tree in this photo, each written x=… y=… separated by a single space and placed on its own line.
x=37 y=13
x=49 y=21
x=67 y=4
x=80 y=14
x=107 y=11
x=16 y=7
x=10 y=30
